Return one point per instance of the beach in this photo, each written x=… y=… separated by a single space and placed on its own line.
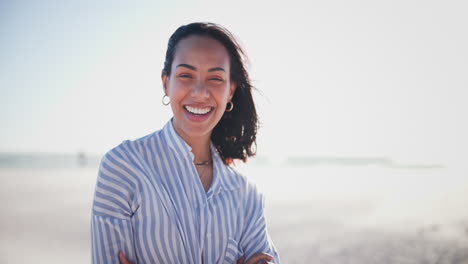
x=320 y=213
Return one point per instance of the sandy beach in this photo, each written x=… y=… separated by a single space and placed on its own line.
x=316 y=214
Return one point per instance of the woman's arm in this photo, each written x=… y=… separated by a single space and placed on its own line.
x=111 y=226
x=255 y=238
x=109 y=236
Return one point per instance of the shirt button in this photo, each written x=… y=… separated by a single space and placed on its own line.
x=208 y=235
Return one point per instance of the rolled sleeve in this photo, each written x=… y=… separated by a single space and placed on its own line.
x=111 y=225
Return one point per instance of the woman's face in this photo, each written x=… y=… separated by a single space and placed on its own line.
x=199 y=86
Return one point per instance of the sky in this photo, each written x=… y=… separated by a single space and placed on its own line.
x=333 y=78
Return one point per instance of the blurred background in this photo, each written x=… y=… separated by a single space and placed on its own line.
x=362 y=148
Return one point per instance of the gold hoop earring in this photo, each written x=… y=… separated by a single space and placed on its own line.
x=229 y=106
x=166 y=100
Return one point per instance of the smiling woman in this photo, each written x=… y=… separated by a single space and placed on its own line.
x=199 y=87
x=172 y=196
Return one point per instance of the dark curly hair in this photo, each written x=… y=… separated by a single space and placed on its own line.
x=235 y=134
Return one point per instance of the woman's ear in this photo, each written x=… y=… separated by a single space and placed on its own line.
x=232 y=90
x=164 y=79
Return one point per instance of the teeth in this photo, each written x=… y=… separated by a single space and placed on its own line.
x=198 y=111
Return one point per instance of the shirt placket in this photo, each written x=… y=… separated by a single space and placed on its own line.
x=206 y=224
x=205 y=227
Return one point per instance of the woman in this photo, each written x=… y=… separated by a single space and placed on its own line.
x=171 y=197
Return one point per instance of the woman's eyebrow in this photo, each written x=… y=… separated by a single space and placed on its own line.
x=194 y=68
x=186 y=66
x=216 y=69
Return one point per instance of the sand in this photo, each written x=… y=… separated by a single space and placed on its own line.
x=321 y=214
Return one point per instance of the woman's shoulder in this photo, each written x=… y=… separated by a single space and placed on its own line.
x=243 y=182
x=248 y=193
x=132 y=149
x=138 y=144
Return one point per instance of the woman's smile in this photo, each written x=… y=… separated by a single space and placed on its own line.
x=198 y=113
x=198 y=110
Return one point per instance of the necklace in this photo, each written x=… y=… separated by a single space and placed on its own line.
x=204 y=163
x=202 y=169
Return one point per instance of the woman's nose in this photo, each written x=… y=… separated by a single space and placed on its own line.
x=200 y=90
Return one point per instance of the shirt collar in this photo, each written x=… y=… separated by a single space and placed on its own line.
x=176 y=142
x=225 y=178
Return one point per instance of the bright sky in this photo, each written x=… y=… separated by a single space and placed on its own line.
x=337 y=78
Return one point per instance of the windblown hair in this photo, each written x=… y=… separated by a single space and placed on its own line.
x=235 y=134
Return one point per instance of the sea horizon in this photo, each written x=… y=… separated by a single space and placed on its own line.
x=81 y=159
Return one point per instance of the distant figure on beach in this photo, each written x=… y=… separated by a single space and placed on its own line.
x=81 y=159
x=173 y=196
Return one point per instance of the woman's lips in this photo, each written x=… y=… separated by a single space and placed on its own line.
x=198 y=110
x=198 y=113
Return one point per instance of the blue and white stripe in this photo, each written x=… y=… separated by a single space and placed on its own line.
x=150 y=203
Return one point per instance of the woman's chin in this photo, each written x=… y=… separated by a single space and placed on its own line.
x=195 y=126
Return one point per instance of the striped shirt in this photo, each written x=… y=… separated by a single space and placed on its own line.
x=150 y=203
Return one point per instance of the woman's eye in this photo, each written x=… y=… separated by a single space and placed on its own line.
x=185 y=76
x=216 y=79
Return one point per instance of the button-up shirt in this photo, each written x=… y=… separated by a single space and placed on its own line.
x=149 y=202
